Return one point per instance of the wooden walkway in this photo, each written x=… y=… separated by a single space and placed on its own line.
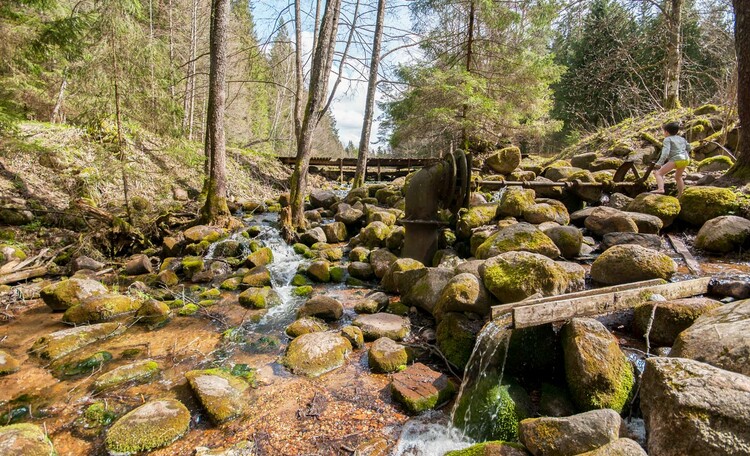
x=399 y=163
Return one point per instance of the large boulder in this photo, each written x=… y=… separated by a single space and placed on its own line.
x=667 y=319
x=456 y=335
x=381 y=260
x=514 y=201
x=25 y=439
x=603 y=220
x=387 y=356
x=323 y=198
x=700 y=204
x=374 y=234
x=388 y=281
x=154 y=424
x=515 y=276
x=568 y=240
x=316 y=353
x=649 y=241
x=724 y=234
x=313 y=236
x=322 y=307
x=692 y=408
x=571 y=435
x=547 y=210
x=259 y=298
x=631 y=263
x=720 y=337
x=505 y=160
x=68 y=293
x=667 y=208
x=348 y=215
x=419 y=388
x=598 y=373
x=99 y=308
x=518 y=237
x=619 y=447
x=219 y=392
x=378 y=325
x=320 y=271
x=463 y=293
x=646 y=223
x=425 y=291
x=474 y=217
x=335 y=232
x=305 y=325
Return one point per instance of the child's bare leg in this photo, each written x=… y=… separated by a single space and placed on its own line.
x=678 y=176
x=659 y=175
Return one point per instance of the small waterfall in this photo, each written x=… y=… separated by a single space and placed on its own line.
x=429 y=434
x=498 y=195
x=482 y=367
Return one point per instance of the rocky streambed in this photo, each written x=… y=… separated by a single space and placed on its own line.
x=237 y=343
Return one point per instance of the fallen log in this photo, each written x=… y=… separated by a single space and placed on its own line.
x=25 y=274
x=680 y=248
x=565 y=307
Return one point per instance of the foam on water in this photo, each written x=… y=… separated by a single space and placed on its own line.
x=430 y=434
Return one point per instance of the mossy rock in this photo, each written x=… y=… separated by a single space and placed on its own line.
x=701 y=204
x=493 y=448
x=96 y=416
x=231 y=284
x=99 y=308
x=568 y=240
x=8 y=364
x=261 y=257
x=375 y=326
x=419 y=388
x=188 y=309
x=514 y=276
x=359 y=254
x=388 y=283
x=338 y=274
x=302 y=291
x=667 y=208
x=506 y=402
x=518 y=237
x=319 y=271
x=153 y=425
x=192 y=265
x=712 y=164
x=68 y=293
x=571 y=435
x=138 y=372
x=305 y=325
x=547 y=210
x=354 y=335
x=323 y=307
x=60 y=343
x=599 y=374
x=670 y=318
x=631 y=263
x=386 y=356
x=219 y=392
x=505 y=160
x=259 y=298
x=456 y=335
x=258 y=276
x=316 y=353
x=374 y=234
x=474 y=217
x=464 y=293
x=25 y=439
x=706 y=110
x=728 y=233
x=514 y=201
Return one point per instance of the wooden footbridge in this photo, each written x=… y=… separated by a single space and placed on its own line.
x=376 y=166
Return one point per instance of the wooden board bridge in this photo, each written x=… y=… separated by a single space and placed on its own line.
x=376 y=166
x=597 y=301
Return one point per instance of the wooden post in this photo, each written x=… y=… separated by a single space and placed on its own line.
x=378 y=170
x=606 y=302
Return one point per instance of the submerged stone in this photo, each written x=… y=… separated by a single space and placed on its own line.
x=154 y=424
x=8 y=364
x=25 y=439
x=100 y=308
x=60 y=343
x=138 y=372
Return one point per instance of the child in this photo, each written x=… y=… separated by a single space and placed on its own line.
x=675 y=154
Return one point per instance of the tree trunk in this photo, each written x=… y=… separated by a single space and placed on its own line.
x=469 y=56
x=741 y=169
x=57 y=116
x=215 y=210
x=188 y=102
x=372 y=84
x=120 y=142
x=673 y=64
x=317 y=96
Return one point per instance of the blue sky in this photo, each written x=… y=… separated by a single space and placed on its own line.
x=349 y=103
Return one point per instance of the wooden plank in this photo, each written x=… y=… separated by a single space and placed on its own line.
x=680 y=248
x=564 y=309
x=18 y=276
x=504 y=308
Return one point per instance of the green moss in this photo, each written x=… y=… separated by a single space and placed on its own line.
x=700 y=204
x=61 y=343
x=26 y=439
x=231 y=284
x=475 y=217
x=456 y=336
x=98 y=415
x=153 y=425
x=488 y=449
x=706 y=109
x=138 y=372
x=397 y=308
x=192 y=265
x=519 y=237
x=299 y=280
x=305 y=325
x=507 y=403
x=719 y=163
x=188 y=309
x=338 y=274
x=86 y=365
x=515 y=276
x=304 y=290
